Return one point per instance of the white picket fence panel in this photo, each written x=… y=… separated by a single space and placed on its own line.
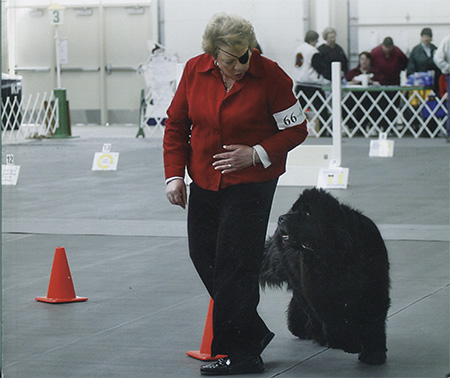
x=368 y=113
x=35 y=117
x=151 y=118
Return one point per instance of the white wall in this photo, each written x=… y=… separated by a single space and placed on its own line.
x=278 y=25
x=402 y=20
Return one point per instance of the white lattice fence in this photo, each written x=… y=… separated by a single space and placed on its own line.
x=369 y=112
x=151 y=118
x=318 y=111
x=35 y=117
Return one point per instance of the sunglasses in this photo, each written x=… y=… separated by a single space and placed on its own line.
x=243 y=59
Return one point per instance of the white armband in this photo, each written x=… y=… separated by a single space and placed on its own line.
x=290 y=117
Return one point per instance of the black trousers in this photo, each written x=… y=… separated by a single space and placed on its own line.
x=227 y=231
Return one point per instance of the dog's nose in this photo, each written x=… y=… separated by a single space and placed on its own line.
x=281 y=219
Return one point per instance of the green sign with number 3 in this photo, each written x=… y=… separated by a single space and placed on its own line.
x=56 y=17
x=56 y=14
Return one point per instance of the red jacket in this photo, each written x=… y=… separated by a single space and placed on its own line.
x=389 y=67
x=202 y=118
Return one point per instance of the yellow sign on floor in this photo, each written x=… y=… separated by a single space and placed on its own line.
x=333 y=178
x=105 y=160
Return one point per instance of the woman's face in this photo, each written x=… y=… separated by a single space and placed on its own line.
x=331 y=39
x=425 y=39
x=233 y=62
x=364 y=62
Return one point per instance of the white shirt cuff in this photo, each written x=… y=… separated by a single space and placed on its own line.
x=262 y=154
x=173 y=178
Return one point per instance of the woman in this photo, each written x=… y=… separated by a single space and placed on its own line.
x=421 y=58
x=330 y=52
x=307 y=73
x=365 y=66
x=360 y=111
x=232 y=121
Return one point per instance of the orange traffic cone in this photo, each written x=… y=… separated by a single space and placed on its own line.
x=60 y=287
x=204 y=353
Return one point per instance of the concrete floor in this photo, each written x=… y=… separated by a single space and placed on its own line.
x=127 y=252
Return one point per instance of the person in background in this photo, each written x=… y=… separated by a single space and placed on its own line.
x=353 y=77
x=307 y=73
x=365 y=66
x=389 y=60
x=330 y=52
x=308 y=64
x=232 y=121
x=421 y=58
x=442 y=60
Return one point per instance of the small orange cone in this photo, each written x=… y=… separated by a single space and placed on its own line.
x=60 y=287
x=204 y=353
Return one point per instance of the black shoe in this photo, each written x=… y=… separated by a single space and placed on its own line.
x=226 y=366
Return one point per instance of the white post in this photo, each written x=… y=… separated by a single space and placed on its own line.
x=11 y=18
x=337 y=116
x=58 y=59
x=102 y=59
x=56 y=17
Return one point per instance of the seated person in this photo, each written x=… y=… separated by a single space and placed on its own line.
x=359 y=112
x=365 y=66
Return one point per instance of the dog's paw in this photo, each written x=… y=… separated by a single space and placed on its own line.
x=377 y=357
x=351 y=348
x=320 y=340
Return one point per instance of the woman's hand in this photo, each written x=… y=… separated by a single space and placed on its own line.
x=176 y=192
x=236 y=157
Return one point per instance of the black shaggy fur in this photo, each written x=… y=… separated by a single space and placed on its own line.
x=335 y=262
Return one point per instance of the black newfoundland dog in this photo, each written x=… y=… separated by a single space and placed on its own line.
x=335 y=262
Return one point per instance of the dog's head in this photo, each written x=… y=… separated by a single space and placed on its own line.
x=316 y=220
x=290 y=226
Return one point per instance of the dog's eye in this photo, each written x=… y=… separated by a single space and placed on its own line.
x=305 y=213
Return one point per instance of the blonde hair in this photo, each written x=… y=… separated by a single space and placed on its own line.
x=328 y=31
x=227 y=30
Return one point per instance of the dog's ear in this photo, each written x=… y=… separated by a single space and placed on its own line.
x=273 y=274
